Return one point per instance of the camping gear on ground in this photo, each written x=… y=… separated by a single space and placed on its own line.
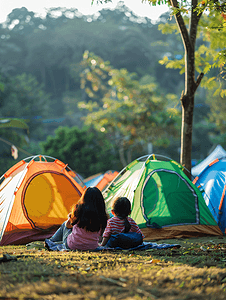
x=212 y=183
x=165 y=203
x=101 y=180
x=125 y=240
x=7 y=257
x=36 y=196
x=218 y=152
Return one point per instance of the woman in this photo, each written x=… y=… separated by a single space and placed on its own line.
x=85 y=224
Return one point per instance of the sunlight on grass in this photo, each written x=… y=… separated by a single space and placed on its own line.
x=194 y=271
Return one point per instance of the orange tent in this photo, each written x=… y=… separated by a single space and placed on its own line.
x=100 y=180
x=36 y=196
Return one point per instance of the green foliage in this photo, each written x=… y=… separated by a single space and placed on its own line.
x=173 y=64
x=23 y=97
x=218 y=111
x=51 y=48
x=203 y=130
x=212 y=6
x=209 y=59
x=184 y=5
x=46 y=47
x=168 y=28
x=212 y=36
x=12 y=129
x=1 y=86
x=13 y=123
x=213 y=54
x=207 y=55
x=22 y=102
x=129 y=110
x=85 y=150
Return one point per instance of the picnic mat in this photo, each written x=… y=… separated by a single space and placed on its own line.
x=52 y=246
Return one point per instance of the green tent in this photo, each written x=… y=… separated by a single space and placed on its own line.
x=165 y=203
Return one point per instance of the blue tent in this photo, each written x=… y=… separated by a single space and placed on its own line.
x=218 y=152
x=212 y=181
x=93 y=180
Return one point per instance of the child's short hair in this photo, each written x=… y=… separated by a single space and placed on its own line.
x=121 y=207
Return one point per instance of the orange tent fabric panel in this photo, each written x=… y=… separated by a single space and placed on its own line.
x=108 y=177
x=48 y=199
x=39 y=195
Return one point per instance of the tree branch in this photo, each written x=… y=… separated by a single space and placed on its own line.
x=181 y=25
x=197 y=83
x=195 y=17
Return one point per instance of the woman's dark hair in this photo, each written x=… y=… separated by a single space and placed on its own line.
x=90 y=212
x=122 y=208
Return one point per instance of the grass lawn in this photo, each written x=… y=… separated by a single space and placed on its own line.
x=197 y=270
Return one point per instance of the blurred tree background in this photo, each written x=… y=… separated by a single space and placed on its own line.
x=88 y=87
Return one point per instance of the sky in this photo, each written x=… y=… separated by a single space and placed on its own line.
x=83 y=6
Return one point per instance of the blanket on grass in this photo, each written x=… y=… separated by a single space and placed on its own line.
x=53 y=246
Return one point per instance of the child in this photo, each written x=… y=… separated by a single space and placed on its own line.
x=85 y=223
x=122 y=231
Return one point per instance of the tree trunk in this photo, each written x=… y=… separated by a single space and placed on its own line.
x=187 y=102
x=186 y=132
x=187 y=97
